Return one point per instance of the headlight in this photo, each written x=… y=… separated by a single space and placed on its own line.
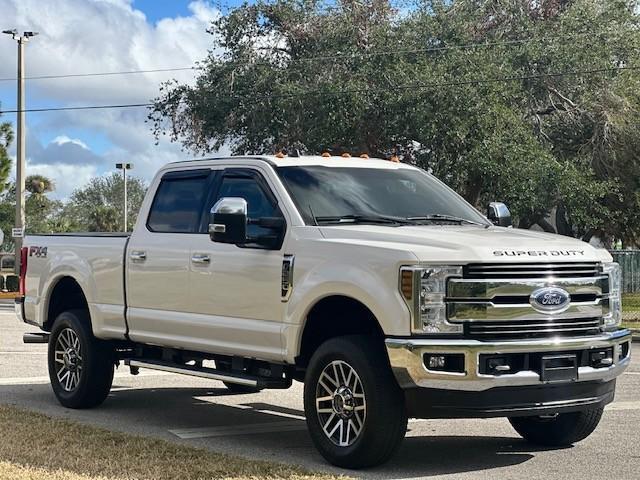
x=424 y=290
x=614 y=317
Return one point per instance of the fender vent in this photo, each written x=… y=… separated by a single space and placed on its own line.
x=287 y=277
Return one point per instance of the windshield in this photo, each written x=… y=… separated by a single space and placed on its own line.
x=364 y=195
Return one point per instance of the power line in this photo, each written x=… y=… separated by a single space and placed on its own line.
x=418 y=86
x=100 y=74
x=321 y=58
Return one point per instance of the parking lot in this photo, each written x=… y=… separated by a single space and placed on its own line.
x=270 y=425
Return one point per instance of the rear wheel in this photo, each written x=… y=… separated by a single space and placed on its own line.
x=558 y=430
x=80 y=365
x=354 y=407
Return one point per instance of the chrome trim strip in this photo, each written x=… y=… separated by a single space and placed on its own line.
x=406 y=358
x=467 y=288
x=194 y=373
x=488 y=311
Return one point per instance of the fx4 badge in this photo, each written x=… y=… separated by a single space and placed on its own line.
x=40 y=252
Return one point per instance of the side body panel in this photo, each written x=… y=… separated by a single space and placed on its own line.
x=96 y=263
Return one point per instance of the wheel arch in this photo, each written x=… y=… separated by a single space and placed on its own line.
x=333 y=316
x=64 y=294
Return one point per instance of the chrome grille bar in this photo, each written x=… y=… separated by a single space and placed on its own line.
x=532 y=270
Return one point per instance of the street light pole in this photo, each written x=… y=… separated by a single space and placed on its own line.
x=124 y=167
x=20 y=147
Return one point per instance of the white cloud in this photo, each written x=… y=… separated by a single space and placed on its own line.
x=62 y=139
x=66 y=177
x=82 y=36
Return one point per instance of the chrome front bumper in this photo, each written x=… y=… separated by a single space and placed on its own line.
x=406 y=357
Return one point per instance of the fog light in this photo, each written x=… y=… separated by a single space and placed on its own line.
x=436 y=361
x=444 y=362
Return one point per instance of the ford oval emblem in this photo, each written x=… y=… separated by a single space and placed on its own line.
x=550 y=300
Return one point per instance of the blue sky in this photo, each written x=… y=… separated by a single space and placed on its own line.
x=85 y=36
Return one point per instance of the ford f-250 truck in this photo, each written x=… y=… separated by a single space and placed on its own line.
x=370 y=281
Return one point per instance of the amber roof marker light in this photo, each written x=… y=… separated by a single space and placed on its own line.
x=346 y=155
x=326 y=155
x=279 y=155
x=364 y=155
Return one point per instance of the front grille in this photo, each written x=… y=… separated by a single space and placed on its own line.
x=534 y=328
x=532 y=270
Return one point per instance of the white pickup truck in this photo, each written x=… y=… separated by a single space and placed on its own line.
x=370 y=281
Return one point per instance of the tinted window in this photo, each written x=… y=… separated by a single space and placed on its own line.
x=8 y=262
x=178 y=205
x=258 y=203
x=402 y=192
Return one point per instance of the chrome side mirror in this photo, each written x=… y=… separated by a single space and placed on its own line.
x=228 y=221
x=499 y=214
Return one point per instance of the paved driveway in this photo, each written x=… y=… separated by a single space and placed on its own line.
x=270 y=425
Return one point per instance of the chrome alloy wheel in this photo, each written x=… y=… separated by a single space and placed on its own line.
x=68 y=357
x=340 y=403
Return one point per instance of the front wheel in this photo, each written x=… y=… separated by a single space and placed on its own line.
x=80 y=365
x=354 y=407
x=559 y=430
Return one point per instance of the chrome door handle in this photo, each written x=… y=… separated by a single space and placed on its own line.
x=138 y=256
x=200 y=259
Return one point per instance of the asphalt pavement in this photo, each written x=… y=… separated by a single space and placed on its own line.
x=270 y=424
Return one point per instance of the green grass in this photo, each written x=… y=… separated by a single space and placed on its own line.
x=631 y=302
x=37 y=447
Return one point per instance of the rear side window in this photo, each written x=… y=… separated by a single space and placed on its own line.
x=177 y=205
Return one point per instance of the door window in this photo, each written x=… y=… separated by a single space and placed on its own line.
x=177 y=206
x=259 y=204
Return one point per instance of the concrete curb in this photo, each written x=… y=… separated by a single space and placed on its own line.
x=635 y=335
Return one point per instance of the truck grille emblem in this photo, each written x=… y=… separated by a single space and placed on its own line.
x=550 y=300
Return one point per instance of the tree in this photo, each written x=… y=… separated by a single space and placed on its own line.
x=99 y=206
x=533 y=102
x=42 y=214
x=6 y=137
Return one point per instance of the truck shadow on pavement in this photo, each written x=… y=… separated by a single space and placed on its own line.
x=215 y=419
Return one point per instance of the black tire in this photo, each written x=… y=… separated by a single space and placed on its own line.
x=236 y=388
x=562 y=430
x=96 y=362
x=382 y=421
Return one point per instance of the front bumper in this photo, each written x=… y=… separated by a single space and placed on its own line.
x=407 y=360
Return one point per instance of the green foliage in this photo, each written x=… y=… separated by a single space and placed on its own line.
x=98 y=207
x=533 y=102
x=6 y=137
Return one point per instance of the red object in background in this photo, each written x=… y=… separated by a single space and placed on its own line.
x=23 y=270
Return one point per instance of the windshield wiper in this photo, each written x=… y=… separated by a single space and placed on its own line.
x=381 y=219
x=437 y=217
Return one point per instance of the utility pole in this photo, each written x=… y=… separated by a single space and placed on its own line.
x=20 y=147
x=124 y=167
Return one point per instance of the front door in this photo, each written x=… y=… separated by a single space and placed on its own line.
x=236 y=290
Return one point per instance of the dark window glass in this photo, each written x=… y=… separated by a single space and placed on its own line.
x=258 y=203
x=178 y=205
x=392 y=192
x=8 y=262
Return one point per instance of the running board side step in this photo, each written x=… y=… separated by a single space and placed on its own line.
x=35 y=338
x=211 y=373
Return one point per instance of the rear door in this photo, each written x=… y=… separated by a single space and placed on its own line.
x=158 y=258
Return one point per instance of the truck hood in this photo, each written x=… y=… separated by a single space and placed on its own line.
x=469 y=243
